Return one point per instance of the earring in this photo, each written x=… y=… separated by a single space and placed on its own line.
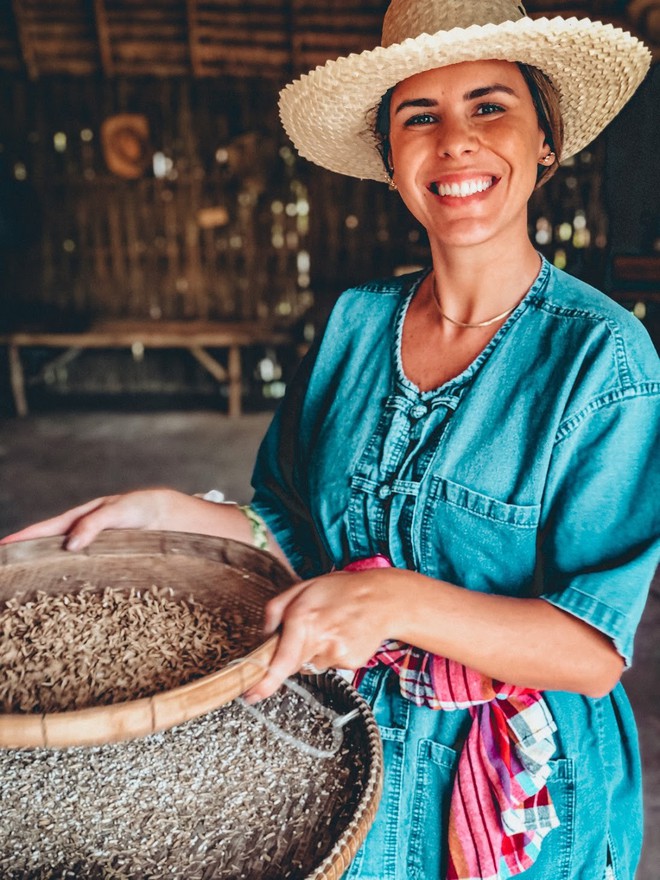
x=549 y=159
x=391 y=184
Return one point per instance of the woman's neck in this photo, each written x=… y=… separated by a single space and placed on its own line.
x=476 y=283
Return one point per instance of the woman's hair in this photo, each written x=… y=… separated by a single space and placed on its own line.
x=546 y=103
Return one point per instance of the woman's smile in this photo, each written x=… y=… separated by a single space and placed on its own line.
x=461 y=188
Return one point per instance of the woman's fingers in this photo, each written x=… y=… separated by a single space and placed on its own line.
x=288 y=658
x=331 y=621
x=56 y=525
x=109 y=515
x=133 y=510
x=276 y=608
x=291 y=647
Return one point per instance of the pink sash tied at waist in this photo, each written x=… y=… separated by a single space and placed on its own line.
x=501 y=809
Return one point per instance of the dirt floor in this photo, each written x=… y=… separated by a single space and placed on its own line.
x=52 y=461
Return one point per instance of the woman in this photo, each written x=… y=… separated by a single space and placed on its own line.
x=474 y=443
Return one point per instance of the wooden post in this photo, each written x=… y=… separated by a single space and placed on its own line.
x=17 y=380
x=196 y=64
x=235 y=381
x=25 y=38
x=103 y=34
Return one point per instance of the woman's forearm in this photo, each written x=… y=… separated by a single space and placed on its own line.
x=341 y=618
x=527 y=642
x=188 y=513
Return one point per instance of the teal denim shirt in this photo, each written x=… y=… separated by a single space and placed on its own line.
x=532 y=473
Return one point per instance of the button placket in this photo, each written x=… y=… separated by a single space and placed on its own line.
x=387 y=481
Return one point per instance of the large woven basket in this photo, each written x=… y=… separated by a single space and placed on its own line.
x=55 y=827
x=319 y=830
x=217 y=572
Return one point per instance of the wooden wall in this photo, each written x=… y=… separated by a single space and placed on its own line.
x=151 y=247
x=236 y=226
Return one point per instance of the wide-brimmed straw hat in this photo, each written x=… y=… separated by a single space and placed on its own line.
x=329 y=113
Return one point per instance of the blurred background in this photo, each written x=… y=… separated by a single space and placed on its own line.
x=145 y=177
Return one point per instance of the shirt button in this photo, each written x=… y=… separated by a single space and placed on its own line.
x=384 y=491
x=418 y=411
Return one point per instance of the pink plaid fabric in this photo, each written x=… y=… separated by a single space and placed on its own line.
x=500 y=808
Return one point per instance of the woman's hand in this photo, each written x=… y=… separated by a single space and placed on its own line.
x=337 y=620
x=143 y=509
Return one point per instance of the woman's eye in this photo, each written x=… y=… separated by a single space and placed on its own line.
x=488 y=109
x=420 y=119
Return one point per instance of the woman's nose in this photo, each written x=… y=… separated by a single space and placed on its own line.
x=455 y=137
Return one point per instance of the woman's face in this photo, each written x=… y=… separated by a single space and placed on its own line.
x=465 y=146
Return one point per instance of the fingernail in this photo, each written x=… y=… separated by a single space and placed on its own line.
x=250 y=698
x=73 y=543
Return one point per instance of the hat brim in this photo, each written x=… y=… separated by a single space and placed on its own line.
x=596 y=68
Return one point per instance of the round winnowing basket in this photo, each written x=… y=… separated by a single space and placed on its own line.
x=188 y=783
x=217 y=573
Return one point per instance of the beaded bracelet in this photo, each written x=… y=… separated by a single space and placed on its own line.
x=258 y=526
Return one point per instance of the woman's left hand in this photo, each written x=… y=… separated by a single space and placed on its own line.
x=337 y=620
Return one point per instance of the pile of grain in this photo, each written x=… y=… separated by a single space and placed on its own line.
x=67 y=651
x=219 y=797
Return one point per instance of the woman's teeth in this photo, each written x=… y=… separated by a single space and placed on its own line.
x=463 y=189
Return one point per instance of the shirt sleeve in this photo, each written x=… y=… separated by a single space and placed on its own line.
x=599 y=543
x=280 y=482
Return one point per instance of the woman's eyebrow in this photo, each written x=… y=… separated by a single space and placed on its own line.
x=417 y=102
x=481 y=92
x=488 y=90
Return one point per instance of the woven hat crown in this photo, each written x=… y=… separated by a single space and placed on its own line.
x=404 y=20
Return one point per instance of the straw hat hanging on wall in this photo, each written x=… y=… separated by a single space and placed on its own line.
x=126 y=144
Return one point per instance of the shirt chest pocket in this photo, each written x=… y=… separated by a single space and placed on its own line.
x=475 y=540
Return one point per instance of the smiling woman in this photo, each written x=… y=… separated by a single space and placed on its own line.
x=463 y=472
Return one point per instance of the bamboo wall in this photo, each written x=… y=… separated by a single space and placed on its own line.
x=151 y=247
x=228 y=223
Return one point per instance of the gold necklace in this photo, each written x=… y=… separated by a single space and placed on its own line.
x=467 y=323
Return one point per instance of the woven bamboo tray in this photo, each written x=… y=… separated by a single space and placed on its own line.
x=218 y=572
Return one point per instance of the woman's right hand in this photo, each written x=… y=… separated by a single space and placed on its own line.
x=142 y=509
x=161 y=508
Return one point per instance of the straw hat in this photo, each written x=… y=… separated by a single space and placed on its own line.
x=125 y=144
x=329 y=112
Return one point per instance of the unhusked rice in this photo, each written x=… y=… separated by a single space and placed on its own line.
x=67 y=651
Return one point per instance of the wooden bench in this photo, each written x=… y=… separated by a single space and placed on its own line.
x=193 y=336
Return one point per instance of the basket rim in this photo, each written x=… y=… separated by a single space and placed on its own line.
x=129 y=719
x=345 y=848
